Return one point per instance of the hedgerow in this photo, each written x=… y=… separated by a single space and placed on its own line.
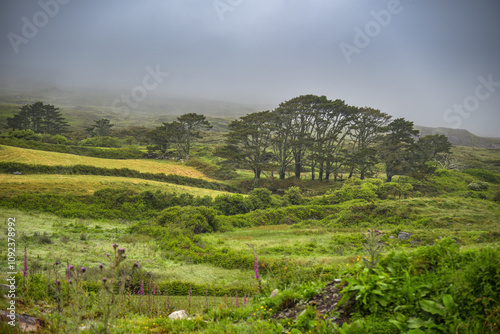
x=11 y=167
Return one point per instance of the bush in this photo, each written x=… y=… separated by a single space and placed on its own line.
x=483 y=174
x=478 y=186
x=100 y=142
x=230 y=205
x=195 y=219
x=293 y=196
x=260 y=198
x=22 y=134
x=353 y=189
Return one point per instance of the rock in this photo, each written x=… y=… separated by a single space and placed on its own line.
x=404 y=235
x=391 y=237
x=178 y=315
x=274 y=293
x=27 y=323
x=337 y=280
x=17 y=173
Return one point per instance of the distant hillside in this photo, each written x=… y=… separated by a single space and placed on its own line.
x=82 y=107
x=461 y=137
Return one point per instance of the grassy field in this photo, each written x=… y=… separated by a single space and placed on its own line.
x=15 y=154
x=85 y=242
x=11 y=185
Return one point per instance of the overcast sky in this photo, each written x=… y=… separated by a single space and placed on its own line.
x=433 y=62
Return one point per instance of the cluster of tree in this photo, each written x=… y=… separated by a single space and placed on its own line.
x=330 y=137
x=40 y=118
x=178 y=134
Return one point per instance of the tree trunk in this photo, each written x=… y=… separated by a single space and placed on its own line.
x=320 y=171
x=298 y=165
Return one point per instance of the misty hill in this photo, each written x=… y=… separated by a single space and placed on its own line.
x=460 y=137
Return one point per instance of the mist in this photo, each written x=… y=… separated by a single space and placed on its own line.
x=435 y=63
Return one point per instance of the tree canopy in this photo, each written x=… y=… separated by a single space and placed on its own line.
x=39 y=117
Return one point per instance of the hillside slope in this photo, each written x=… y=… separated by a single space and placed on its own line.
x=460 y=137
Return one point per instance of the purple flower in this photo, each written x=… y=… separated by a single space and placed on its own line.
x=57 y=263
x=107 y=254
x=136 y=265
x=83 y=269
x=141 y=290
x=114 y=246
x=154 y=289
x=121 y=250
x=68 y=274
x=245 y=299
x=101 y=266
x=57 y=282
x=104 y=279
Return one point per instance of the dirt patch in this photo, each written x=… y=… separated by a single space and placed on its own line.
x=325 y=302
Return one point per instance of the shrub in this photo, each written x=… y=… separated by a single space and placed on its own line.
x=293 y=196
x=483 y=174
x=478 y=186
x=353 y=189
x=260 y=198
x=195 y=219
x=22 y=134
x=230 y=205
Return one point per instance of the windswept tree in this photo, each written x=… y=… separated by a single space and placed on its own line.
x=101 y=128
x=279 y=125
x=299 y=114
x=179 y=134
x=247 y=143
x=191 y=124
x=337 y=118
x=395 y=147
x=366 y=128
x=429 y=149
x=39 y=117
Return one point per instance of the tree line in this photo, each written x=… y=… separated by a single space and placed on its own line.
x=309 y=132
x=329 y=137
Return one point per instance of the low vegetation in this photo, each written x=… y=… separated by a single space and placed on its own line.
x=115 y=246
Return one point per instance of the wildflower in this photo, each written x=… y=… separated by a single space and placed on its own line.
x=68 y=273
x=114 y=246
x=245 y=300
x=136 y=265
x=141 y=289
x=107 y=254
x=57 y=263
x=57 y=282
x=104 y=279
x=101 y=266
x=83 y=269
x=121 y=250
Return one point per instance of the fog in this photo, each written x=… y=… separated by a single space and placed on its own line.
x=435 y=63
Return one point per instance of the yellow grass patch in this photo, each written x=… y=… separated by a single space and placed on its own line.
x=11 y=185
x=36 y=157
